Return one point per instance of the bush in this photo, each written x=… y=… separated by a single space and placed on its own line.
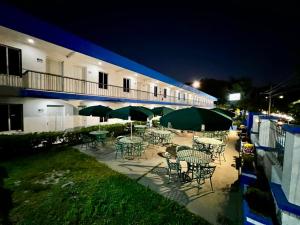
x=30 y=143
x=155 y=123
x=248 y=162
x=259 y=201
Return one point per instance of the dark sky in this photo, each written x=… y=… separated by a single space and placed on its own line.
x=187 y=41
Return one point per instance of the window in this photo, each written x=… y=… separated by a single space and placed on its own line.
x=11 y=117
x=165 y=93
x=103 y=80
x=183 y=97
x=178 y=95
x=126 y=85
x=10 y=60
x=155 y=91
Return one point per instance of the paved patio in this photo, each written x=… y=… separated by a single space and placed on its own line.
x=223 y=206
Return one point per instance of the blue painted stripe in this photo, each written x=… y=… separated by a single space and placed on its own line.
x=282 y=201
x=265 y=148
x=244 y=179
x=248 y=213
x=17 y=20
x=291 y=128
x=69 y=96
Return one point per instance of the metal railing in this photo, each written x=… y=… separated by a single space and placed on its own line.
x=53 y=82
x=279 y=137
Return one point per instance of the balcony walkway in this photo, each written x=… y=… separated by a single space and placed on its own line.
x=223 y=206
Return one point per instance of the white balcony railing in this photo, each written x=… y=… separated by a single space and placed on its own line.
x=52 y=82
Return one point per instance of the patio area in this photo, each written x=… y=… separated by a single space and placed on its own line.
x=222 y=206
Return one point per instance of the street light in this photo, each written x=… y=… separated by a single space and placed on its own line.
x=196 y=84
x=281 y=96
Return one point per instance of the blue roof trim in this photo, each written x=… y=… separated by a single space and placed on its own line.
x=70 y=96
x=267 y=117
x=282 y=201
x=294 y=129
x=17 y=20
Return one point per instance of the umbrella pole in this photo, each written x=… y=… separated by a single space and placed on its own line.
x=130 y=129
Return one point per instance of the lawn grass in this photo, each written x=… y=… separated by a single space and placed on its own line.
x=93 y=193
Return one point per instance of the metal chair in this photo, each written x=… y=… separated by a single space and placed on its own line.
x=203 y=173
x=173 y=166
x=220 y=150
x=87 y=140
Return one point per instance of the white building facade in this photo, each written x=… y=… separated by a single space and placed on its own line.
x=48 y=75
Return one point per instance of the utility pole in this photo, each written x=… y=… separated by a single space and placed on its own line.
x=270 y=101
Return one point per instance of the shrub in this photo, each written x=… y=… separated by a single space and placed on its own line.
x=29 y=143
x=248 y=162
x=259 y=201
x=155 y=123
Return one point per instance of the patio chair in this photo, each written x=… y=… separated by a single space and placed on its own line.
x=173 y=166
x=220 y=151
x=203 y=173
x=119 y=149
x=87 y=141
x=138 y=150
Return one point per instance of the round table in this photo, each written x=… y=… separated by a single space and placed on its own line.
x=208 y=141
x=100 y=136
x=140 y=130
x=131 y=145
x=140 y=126
x=133 y=140
x=161 y=136
x=194 y=157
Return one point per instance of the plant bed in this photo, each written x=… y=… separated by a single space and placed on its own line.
x=258 y=203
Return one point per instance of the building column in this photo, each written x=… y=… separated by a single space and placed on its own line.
x=266 y=133
x=291 y=164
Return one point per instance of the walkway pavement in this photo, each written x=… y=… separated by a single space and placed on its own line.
x=223 y=206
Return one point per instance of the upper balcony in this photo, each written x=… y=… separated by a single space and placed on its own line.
x=47 y=82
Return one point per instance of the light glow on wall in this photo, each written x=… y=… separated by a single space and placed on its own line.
x=234 y=97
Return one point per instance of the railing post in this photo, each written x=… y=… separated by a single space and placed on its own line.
x=266 y=137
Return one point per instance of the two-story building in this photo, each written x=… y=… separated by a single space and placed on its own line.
x=47 y=75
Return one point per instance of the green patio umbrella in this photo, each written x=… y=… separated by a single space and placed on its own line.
x=97 y=110
x=161 y=111
x=224 y=111
x=193 y=119
x=138 y=113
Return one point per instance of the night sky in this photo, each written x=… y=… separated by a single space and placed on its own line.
x=188 y=41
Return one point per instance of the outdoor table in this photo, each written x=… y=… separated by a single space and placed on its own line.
x=140 y=129
x=194 y=159
x=208 y=141
x=140 y=126
x=99 y=135
x=130 y=144
x=161 y=135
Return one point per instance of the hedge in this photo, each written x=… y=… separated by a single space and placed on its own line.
x=12 y=145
